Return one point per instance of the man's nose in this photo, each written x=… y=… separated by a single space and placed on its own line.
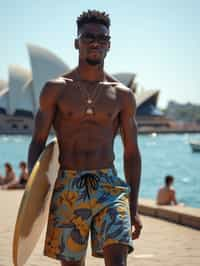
x=94 y=43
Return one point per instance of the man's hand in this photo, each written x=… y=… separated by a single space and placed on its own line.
x=137 y=225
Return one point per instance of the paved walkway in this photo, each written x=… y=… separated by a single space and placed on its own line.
x=162 y=243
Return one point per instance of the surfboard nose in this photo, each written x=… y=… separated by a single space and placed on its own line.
x=34 y=206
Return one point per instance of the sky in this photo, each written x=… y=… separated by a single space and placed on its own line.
x=158 y=40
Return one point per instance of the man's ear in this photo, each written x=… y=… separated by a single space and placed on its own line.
x=108 y=46
x=76 y=44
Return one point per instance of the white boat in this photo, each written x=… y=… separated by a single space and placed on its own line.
x=195 y=145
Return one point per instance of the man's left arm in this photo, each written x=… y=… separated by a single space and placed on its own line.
x=132 y=158
x=173 y=197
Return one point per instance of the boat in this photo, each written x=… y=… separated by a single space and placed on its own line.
x=195 y=145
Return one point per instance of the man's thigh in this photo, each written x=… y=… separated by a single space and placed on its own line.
x=115 y=255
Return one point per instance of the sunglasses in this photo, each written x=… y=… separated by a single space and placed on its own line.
x=90 y=38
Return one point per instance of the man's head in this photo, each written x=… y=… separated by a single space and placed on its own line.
x=93 y=40
x=169 y=180
x=22 y=165
x=8 y=167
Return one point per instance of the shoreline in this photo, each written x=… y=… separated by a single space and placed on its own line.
x=168 y=131
x=140 y=132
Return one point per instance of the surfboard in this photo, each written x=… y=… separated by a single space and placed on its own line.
x=34 y=206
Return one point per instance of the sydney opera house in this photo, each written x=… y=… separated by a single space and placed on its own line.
x=19 y=95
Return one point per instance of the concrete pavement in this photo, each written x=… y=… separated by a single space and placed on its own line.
x=161 y=244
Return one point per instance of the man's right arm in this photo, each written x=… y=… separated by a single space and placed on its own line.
x=43 y=122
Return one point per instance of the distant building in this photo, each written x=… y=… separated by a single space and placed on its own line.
x=19 y=97
x=3 y=85
x=149 y=117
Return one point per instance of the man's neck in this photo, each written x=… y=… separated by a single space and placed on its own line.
x=90 y=73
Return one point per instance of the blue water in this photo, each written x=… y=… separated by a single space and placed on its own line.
x=161 y=155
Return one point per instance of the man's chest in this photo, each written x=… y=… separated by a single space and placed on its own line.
x=102 y=103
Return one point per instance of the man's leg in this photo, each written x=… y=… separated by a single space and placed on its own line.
x=73 y=263
x=115 y=255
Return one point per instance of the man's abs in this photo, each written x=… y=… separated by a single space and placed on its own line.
x=82 y=149
x=86 y=159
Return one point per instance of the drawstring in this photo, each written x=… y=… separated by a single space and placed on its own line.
x=89 y=181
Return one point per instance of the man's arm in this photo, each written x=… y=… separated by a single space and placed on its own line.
x=132 y=158
x=173 y=197
x=43 y=122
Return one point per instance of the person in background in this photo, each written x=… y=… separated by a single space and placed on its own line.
x=167 y=194
x=9 y=175
x=23 y=177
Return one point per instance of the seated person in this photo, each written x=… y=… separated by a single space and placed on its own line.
x=9 y=175
x=23 y=177
x=167 y=194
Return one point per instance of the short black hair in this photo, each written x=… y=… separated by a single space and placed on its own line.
x=9 y=166
x=169 y=179
x=93 y=16
x=23 y=164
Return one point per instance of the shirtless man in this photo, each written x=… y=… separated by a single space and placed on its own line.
x=87 y=108
x=167 y=194
x=9 y=176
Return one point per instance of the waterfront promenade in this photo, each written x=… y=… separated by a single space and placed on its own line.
x=161 y=244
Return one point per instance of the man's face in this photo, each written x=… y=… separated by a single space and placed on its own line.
x=93 y=43
x=7 y=169
x=21 y=167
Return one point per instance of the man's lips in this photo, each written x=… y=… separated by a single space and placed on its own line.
x=95 y=51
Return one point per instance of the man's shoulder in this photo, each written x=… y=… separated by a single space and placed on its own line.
x=52 y=88
x=172 y=190
x=59 y=81
x=122 y=88
x=126 y=96
x=115 y=82
x=69 y=77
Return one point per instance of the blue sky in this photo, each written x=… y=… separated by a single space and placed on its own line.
x=158 y=40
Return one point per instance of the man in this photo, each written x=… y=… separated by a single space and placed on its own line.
x=167 y=194
x=87 y=108
x=9 y=177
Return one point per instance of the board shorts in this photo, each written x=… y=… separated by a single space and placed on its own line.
x=95 y=201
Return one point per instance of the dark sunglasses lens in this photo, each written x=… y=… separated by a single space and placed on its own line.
x=88 y=37
x=103 y=38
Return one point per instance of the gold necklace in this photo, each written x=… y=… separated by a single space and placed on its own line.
x=91 y=99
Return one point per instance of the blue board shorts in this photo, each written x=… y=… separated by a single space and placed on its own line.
x=95 y=201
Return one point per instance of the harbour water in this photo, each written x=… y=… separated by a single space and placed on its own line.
x=161 y=155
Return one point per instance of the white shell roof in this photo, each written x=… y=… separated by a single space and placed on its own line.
x=125 y=77
x=4 y=99
x=45 y=66
x=25 y=87
x=144 y=96
x=26 y=101
x=3 y=84
x=18 y=76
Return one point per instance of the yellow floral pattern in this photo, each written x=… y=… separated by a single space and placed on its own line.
x=76 y=210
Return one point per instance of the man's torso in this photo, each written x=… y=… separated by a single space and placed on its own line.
x=165 y=196
x=86 y=140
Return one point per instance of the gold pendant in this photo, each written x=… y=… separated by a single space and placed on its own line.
x=89 y=101
x=89 y=111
